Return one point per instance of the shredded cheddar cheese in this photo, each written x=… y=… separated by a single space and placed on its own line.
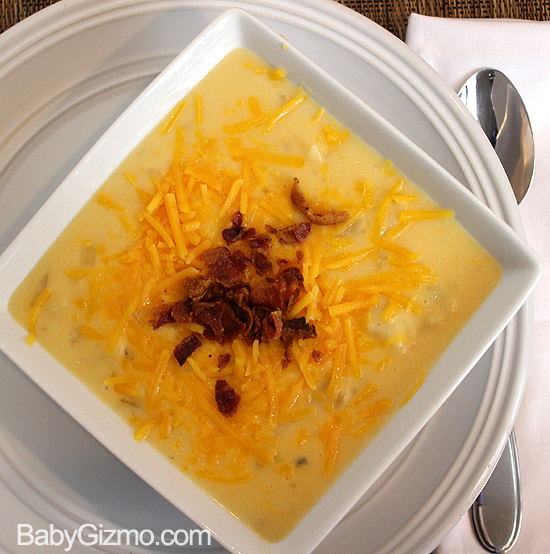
x=245 y=125
x=284 y=110
x=198 y=110
x=332 y=442
x=173 y=117
x=37 y=307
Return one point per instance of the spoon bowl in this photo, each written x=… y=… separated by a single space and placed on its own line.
x=499 y=109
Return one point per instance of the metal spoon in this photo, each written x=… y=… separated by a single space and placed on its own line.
x=497 y=106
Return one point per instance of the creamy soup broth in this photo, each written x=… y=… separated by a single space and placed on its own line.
x=386 y=290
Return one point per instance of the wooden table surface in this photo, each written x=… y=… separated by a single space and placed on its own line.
x=390 y=14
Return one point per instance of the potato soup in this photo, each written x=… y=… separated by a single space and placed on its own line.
x=256 y=291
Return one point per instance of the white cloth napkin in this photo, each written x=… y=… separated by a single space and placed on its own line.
x=521 y=49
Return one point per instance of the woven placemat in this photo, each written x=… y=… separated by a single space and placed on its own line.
x=393 y=15
x=390 y=14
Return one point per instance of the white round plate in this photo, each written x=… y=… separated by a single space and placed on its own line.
x=66 y=73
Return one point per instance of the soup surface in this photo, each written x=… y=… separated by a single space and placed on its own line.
x=256 y=291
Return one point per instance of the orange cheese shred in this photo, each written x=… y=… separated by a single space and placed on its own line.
x=37 y=307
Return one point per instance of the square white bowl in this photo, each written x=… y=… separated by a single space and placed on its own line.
x=235 y=28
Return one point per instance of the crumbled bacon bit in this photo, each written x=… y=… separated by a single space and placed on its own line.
x=223 y=360
x=295 y=234
x=291 y=276
x=329 y=218
x=239 y=300
x=236 y=219
x=297 y=328
x=317 y=355
x=261 y=262
x=226 y=398
x=262 y=241
x=299 y=256
x=186 y=347
x=241 y=260
x=232 y=234
x=272 y=325
x=175 y=313
x=220 y=320
x=162 y=316
x=202 y=289
x=290 y=283
x=249 y=234
x=267 y=295
x=271 y=229
x=181 y=313
x=221 y=266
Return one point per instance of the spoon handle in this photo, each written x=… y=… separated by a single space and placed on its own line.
x=496 y=512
